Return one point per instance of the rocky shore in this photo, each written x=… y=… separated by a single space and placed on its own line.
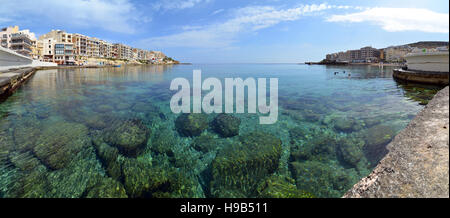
x=417 y=165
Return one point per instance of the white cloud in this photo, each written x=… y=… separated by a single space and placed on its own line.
x=399 y=19
x=217 y=11
x=224 y=34
x=112 y=15
x=177 y=4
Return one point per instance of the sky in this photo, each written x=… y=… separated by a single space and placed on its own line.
x=238 y=31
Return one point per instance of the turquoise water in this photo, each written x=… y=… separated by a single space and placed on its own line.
x=110 y=132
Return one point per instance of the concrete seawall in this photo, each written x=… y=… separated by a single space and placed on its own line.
x=10 y=59
x=417 y=165
x=436 y=78
x=11 y=80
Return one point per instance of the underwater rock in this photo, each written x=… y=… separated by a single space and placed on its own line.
x=278 y=186
x=350 y=151
x=72 y=110
x=60 y=142
x=297 y=134
x=311 y=115
x=149 y=111
x=377 y=137
x=104 y=151
x=372 y=121
x=26 y=132
x=30 y=184
x=107 y=188
x=239 y=167
x=129 y=136
x=184 y=158
x=299 y=103
x=145 y=107
x=320 y=179
x=346 y=124
x=204 y=143
x=321 y=145
x=295 y=115
x=164 y=141
x=226 y=125
x=96 y=121
x=74 y=180
x=122 y=106
x=24 y=161
x=141 y=179
x=298 y=138
x=104 y=108
x=43 y=113
x=108 y=156
x=192 y=124
x=180 y=185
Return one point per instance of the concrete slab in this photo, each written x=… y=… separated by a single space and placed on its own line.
x=9 y=75
x=4 y=81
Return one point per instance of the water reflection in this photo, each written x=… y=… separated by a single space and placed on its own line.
x=109 y=132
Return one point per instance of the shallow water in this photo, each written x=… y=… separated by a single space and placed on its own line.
x=110 y=133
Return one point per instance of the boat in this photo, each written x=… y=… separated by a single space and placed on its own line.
x=430 y=67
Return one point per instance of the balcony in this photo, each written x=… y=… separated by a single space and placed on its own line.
x=20 y=43
x=18 y=36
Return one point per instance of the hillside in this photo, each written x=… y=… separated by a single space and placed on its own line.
x=428 y=44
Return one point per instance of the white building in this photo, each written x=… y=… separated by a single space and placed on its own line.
x=20 y=41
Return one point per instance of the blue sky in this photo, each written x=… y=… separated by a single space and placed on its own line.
x=238 y=31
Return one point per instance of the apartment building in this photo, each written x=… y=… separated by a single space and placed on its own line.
x=123 y=51
x=58 y=47
x=135 y=54
x=77 y=47
x=366 y=54
x=105 y=49
x=59 y=35
x=80 y=45
x=93 y=47
x=20 y=41
x=48 y=49
x=397 y=53
x=369 y=54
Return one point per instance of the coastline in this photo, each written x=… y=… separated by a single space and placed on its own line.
x=345 y=63
x=12 y=79
x=417 y=164
x=366 y=172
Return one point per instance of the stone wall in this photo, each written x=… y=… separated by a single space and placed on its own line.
x=11 y=80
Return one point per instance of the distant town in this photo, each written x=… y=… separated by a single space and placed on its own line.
x=392 y=54
x=62 y=48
